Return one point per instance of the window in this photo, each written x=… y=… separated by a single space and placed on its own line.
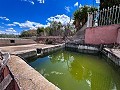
x=12 y=41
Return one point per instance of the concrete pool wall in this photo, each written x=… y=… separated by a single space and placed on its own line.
x=25 y=76
x=91 y=49
x=113 y=55
x=28 y=78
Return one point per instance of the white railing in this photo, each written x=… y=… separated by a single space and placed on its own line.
x=104 y=17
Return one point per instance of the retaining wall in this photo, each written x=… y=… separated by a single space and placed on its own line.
x=112 y=58
x=102 y=34
x=15 y=41
x=50 y=39
x=90 y=49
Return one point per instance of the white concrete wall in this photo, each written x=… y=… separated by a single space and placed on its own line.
x=18 y=41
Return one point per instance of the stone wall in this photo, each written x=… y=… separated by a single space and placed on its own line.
x=50 y=40
x=102 y=34
x=15 y=41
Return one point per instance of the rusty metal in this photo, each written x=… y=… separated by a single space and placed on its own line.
x=7 y=81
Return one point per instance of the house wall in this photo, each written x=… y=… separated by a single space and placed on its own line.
x=102 y=34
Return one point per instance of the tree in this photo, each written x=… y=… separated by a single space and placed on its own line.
x=40 y=31
x=28 y=33
x=24 y=34
x=47 y=31
x=80 y=16
x=56 y=28
x=108 y=3
x=9 y=36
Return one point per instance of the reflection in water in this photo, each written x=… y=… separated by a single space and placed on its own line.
x=73 y=71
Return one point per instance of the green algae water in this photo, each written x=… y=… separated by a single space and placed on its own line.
x=75 y=71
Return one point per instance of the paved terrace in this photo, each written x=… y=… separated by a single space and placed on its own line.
x=24 y=48
x=27 y=77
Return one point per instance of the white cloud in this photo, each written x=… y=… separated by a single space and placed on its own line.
x=30 y=1
x=2 y=32
x=11 y=25
x=4 y=18
x=64 y=19
x=67 y=8
x=97 y=1
x=9 y=31
x=41 y=1
x=28 y=24
x=80 y=5
x=76 y=4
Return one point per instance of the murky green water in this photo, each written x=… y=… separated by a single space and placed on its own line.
x=74 y=71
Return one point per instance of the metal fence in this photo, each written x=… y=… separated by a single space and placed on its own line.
x=104 y=17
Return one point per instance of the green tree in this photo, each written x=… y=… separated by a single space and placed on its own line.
x=25 y=34
x=28 y=33
x=108 y=3
x=40 y=31
x=80 y=16
x=56 y=28
x=47 y=31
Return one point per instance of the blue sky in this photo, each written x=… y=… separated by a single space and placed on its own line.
x=19 y=15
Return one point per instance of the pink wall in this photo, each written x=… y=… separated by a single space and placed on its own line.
x=102 y=34
x=118 y=38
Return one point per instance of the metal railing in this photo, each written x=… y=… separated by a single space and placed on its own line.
x=104 y=17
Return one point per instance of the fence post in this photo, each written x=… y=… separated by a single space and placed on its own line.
x=88 y=21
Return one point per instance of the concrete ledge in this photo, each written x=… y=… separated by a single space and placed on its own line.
x=113 y=55
x=28 y=78
x=82 y=48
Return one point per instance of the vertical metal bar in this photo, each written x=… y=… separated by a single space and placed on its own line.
x=113 y=15
x=102 y=18
x=117 y=7
x=99 y=22
x=88 y=22
x=119 y=13
x=108 y=16
x=97 y=16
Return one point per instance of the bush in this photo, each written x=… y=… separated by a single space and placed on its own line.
x=48 y=41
